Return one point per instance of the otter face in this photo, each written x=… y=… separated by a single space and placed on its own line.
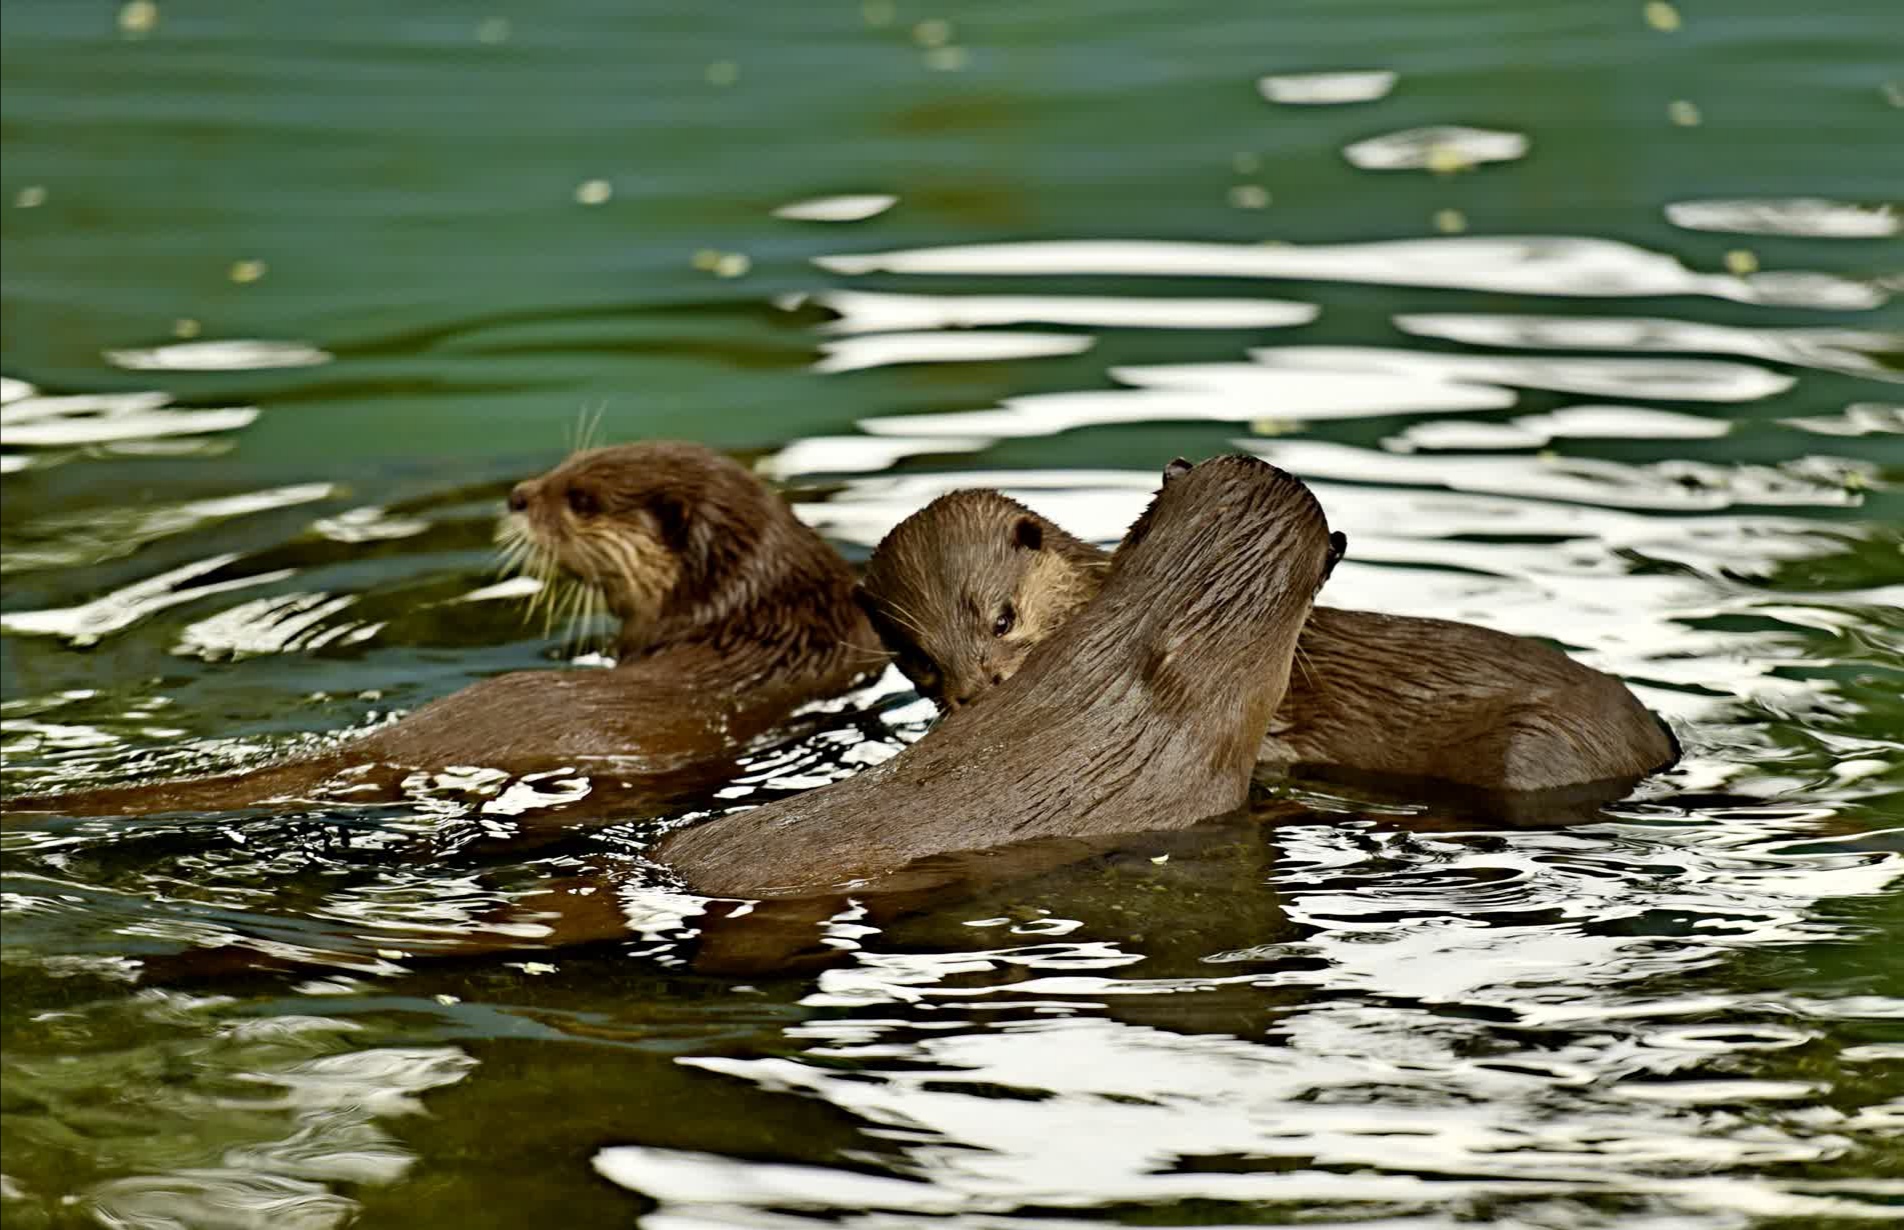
x=614 y=519
x=962 y=591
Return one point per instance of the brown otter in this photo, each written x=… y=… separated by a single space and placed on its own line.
x=965 y=588
x=1145 y=711
x=733 y=613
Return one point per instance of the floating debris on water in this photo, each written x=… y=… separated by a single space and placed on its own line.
x=1443 y=149
x=138 y=18
x=933 y=32
x=1326 y=89
x=1683 y=113
x=1450 y=221
x=878 y=12
x=723 y=264
x=493 y=30
x=1249 y=196
x=593 y=192
x=948 y=59
x=1244 y=163
x=723 y=73
x=186 y=328
x=1662 y=16
x=30 y=197
x=1742 y=262
x=245 y=272
x=853 y=208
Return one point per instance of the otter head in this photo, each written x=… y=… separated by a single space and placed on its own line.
x=667 y=533
x=1242 y=548
x=962 y=590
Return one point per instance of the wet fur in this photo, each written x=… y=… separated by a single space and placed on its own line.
x=1371 y=694
x=1112 y=724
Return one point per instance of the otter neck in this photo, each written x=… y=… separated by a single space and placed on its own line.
x=796 y=616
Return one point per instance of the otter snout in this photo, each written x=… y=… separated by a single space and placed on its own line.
x=520 y=494
x=961 y=688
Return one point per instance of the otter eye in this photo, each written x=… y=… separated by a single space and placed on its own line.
x=1007 y=619
x=583 y=503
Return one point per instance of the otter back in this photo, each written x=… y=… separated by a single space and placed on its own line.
x=1372 y=694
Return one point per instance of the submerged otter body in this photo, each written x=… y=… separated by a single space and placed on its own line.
x=733 y=613
x=964 y=588
x=1145 y=711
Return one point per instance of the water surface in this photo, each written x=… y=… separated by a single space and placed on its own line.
x=1580 y=319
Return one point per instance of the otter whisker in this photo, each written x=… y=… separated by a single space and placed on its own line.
x=870 y=655
x=904 y=618
x=1303 y=665
x=593 y=428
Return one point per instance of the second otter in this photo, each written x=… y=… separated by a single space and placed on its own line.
x=963 y=589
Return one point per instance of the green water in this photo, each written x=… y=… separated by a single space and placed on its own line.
x=475 y=229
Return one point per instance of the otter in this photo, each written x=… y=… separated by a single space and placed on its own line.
x=963 y=590
x=732 y=612
x=1143 y=712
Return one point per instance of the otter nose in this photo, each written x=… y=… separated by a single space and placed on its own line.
x=954 y=703
x=519 y=497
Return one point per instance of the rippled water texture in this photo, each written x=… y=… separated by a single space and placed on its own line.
x=1581 y=320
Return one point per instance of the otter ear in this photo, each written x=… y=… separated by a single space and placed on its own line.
x=1028 y=534
x=671 y=515
x=1338 y=547
x=1176 y=469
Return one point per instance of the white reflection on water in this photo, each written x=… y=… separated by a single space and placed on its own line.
x=238 y=355
x=1531 y=265
x=100 y=534
x=1293 y=384
x=1859 y=419
x=1847 y=350
x=1666 y=486
x=1666 y=379
x=860 y=454
x=1326 y=89
x=837 y=208
x=961 y=346
x=867 y=311
x=369 y=524
x=1444 y=148
x=1811 y=217
x=1455 y=1005
x=1240 y=393
x=107 y=418
x=1569 y=423
x=92 y=622
x=284 y=623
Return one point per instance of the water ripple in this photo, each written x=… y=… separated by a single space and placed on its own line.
x=1530 y=265
x=1811 y=217
x=1326 y=89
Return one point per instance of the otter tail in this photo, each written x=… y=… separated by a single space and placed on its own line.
x=228 y=792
